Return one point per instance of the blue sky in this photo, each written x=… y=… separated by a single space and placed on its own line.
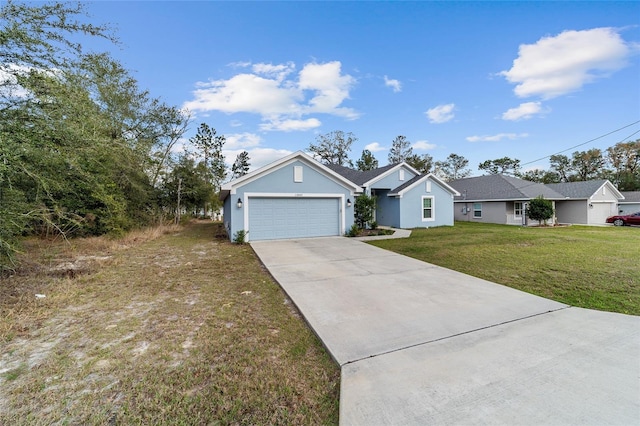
x=480 y=79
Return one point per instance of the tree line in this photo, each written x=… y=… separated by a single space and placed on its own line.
x=619 y=163
x=83 y=149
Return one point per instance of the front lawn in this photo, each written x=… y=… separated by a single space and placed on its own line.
x=589 y=267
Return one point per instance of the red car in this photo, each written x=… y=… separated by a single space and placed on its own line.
x=629 y=219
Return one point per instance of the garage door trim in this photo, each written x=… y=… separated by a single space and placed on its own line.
x=247 y=195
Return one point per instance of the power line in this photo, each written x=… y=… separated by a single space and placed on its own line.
x=589 y=141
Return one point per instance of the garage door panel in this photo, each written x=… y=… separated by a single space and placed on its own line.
x=278 y=218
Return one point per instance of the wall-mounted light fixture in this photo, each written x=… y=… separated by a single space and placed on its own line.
x=348 y=202
x=590 y=205
x=239 y=203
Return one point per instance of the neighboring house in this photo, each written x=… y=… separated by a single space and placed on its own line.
x=298 y=197
x=503 y=199
x=630 y=203
x=587 y=203
x=498 y=199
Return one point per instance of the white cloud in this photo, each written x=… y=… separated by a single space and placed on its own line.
x=331 y=88
x=279 y=96
x=497 y=138
x=375 y=147
x=242 y=140
x=423 y=145
x=279 y=72
x=523 y=111
x=246 y=93
x=554 y=66
x=291 y=125
x=441 y=113
x=394 y=84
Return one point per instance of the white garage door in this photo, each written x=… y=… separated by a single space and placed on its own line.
x=600 y=212
x=277 y=218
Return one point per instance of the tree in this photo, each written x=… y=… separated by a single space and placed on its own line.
x=454 y=167
x=241 y=165
x=367 y=161
x=561 y=164
x=624 y=157
x=35 y=40
x=400 y=150
x=587 y=164
x=422 y=163
x=333 y=147
x=503 y=166
x=210 y=145
x=540 y=209
x=364 y=207
x=540 y=176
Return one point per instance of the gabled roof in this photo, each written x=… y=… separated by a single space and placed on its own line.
x=419 y=179
x=631 y=196
x=583 y=190
x=367 y=177
x=500 y=187
x=230 y=187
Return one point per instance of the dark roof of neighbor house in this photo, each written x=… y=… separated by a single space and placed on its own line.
x=578 y=190
x=630 y=196
x=358 y=176
x=501 y=187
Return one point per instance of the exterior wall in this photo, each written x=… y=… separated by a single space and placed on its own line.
x=604 y=194
x=492 y=212
x=280 y=183
x=411 y=207
x=393 y=180
x=572 y=211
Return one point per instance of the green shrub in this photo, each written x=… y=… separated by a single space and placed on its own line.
x=240 y=237
x=353 y=231
x=540 y=209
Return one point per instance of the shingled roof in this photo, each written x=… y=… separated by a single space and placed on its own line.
x=578 y=190
x=501 y=187
x=631 y=196
x=358 y=176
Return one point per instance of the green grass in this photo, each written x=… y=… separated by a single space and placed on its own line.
x=589 y=267
x=180 y=328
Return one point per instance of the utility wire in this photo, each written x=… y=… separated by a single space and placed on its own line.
x=589 y=141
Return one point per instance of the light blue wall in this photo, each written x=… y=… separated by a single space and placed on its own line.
x=281 y=181
x=411 y=207
x=392 y=181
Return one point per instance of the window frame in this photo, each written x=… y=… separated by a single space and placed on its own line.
x=515 y=209
x=432 y=208
x=477 y=210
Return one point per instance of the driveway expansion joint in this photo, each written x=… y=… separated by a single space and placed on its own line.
x=452 y=336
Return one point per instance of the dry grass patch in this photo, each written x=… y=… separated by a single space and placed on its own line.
x=175 y=328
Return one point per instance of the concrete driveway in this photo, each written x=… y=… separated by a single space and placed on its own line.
x=421 y=344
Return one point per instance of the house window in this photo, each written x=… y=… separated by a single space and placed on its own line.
x=297 y=173
x=401 y=174
x=477 y=209
x=518 y=208
x=427 y=209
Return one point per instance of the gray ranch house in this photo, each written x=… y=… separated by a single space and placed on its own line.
x=630 y=203
x=587 y=203
x=503 y=199
x=298 y=197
